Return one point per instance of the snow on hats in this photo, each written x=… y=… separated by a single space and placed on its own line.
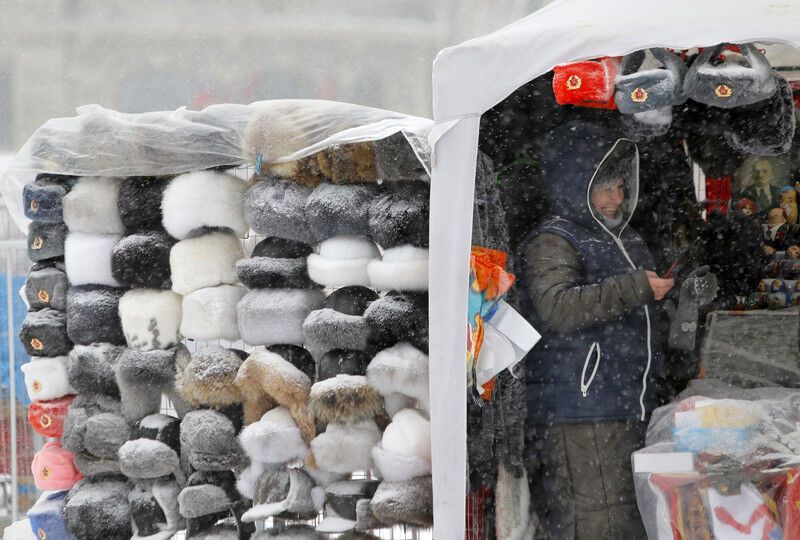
x=44 y=333
x=150 y=318
x=139 y=202
x=208 y=497
x=401 y=215
x=98 y=508
x=398 y=317
x=205 y=261
x=91 y=206
x=87 y=258
x=142 y=376
x=408 y=502
x=46 y=378
x=209 y=314
x=274 y=439
x=42 y=200
x=153 y=449
x=401 y=369
x=53 y=469
x=405 y=450
x=344 y=398
x=644 y=90
x=93 y=315
x=276 y=263
x=403 y=268
x=47 y=417
x=765 y=128
x=45 y=240
x=298 y=357
x=90 y=368
x=346 y=448
x=338 y=210
x=729 y=83
x=342 y=261
x=276 y=207
x=282 y=493
x=154 y=510
x=203 y=199
x=209 y=439
x=46 y=516
x=648 y=124
x=341 y=501
x=94 y=431
x=208 y=379
x=46 y=287
x=270 y=316
x=142 y=260
x=340 y=323
x=588 y=83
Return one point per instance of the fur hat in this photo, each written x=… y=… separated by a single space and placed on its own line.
x=153 y=451
x=142 y=260
x=276 y=207
x=401 y=369
x=98 y=508
x=270 y=316
x=45 y=240
x=644 y=90
x=208 y=494
x=46 y=378
x=403 y=268
x=395 y=159
x=397 y=468
x=340 y=324
x=275 y=439
x=642 y=126
x=346 y=448
x=342 y=362
x=401 y=215
x=210 y=314
x=203 y=199
x=365 y=520
x=342 y=261
x=276 y=263
x=205 y=261
x=247 y=478
x=210 y=439
x=344 y=399
x=150 y=318
x=47 y=288
x=405 y=450
x=282 y=493
x=104 y=435
x=139 y=202
x=47 y=417
x=44 y=333
x=154 y=510
x=348 y=163
x=397 y=317
x=298 y=357
x=338 y=210
x=765 y=128
x=46 y=517
x=93 y=315
x=53 y=469
x=341 y=500
x=142 y=376
x=84 y=407
x=409 y=502
x=87 y=258
x=91 y=206
x=42 y=200
x=90 y=368
x=208 y=380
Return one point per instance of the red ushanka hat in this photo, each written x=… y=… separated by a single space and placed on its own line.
x=587 y=84
x=47 y=417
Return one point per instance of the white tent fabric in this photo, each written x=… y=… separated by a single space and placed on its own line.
x=470 y=78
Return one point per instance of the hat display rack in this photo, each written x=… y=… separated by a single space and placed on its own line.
x=234 y=351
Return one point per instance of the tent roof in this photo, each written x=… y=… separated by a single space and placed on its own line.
x=473 y=76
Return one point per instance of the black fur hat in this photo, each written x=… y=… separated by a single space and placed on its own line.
x=154 y=509
x=45 y=240
x=340 y=209
x=298 y=357
x=44 y=333
x=153 y=450
x=276 y=263
x=98 y=508
x=401 y=215
x=139 y=202
x=142 y=260
x=46 y=287
x=93 y=315
x=398 y=317
x=209 y=498
x=765 y=128
x=276 y=207
x=340 y=361
x=340 y=324
x=91 y=368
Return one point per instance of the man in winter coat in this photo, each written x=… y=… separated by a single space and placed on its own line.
x=588 y=285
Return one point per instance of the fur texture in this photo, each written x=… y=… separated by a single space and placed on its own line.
x=91 y=206
x=209 y=314
x=47 y=288
x=150 y=318
x=142 y=376
x=47 y=417
x=247 y=478
x=342 y=261
x=398 y=468
x=205 y=261
x=210 y=439
x=46 y=516
x=53 y=469
x=346 y=448
x=271 y=316
x=105 y=434
x=326 y=329
x=341 y=497
x=349 y=163
x=365 y=518
x=83 y=407
x=201 y=500
x=92 y=466
x=409 y=502
x=284 y=493
x=146 y=458
x=43 y=199
x=268 y=272
x=139 y=202
x=142 y=260
x=275 y=439
x=298 y=357
x=336 y=210
x=401 y=369
x=91 y=368
x=154 y=510
x=46 y=378
x=93 y=315
x=87 y=257
x=98 y=508
x=342 y=362
x=208 y=379
x=403 y=268
x=765 y=128
x=344 y=399
x=395 y=159
x=44 y=333
x=203 y=199
x=276 y=207
x=408 y=435
x=401 y=216
x=397 y=317
x=45 y=240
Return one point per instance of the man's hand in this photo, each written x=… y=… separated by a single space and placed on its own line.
x=659 y=285
x=769 y=251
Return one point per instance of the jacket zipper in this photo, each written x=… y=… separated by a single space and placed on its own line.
x=584 y=383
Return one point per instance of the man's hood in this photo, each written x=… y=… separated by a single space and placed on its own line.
x=574 y=156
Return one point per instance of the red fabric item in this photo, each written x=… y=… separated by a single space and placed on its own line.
x=586 y=84
x=718 y=194
x=476 y=513
x=47 y=417
x=789 y=505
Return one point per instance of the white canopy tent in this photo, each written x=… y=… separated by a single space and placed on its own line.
x=472 y=77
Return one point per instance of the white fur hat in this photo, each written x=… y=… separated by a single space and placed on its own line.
x=150 y=318
x=346 y=448
x=203 y=199
x=403 y=268
x=408 y=435
x=342 y=261
x=87 y=258
x=91 y=206
x=210 y=313
x=401 y=369
x=272 y=316
x=275 y=439
x=205 y=261
x=46 y=378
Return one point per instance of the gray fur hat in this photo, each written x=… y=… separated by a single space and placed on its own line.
x=340 y=324
x=208 y=498
x=90 y=368
x=208 y=380
x=45 y=240
x=276 y=207
x=395 y=159
x=93 y=315
x=284 y=493
x=271 y=316
x=276 y=263
x=46 y=287
x=409 y=502
x=210 y=440
x=154 y=509
x=153 y=450
x=289 y=532
x=44 y=333
x=644 y=90
x=98 y=508
x=401 y=215
x=43 y=199
x=142 y=377
x=340 y=209
x=94 y=431
x=765 y=128
x=83 y=407
x=399 y=317
x=142 y=260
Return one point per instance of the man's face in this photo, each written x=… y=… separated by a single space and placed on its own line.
x=775 y=217
x=607 y=198
x=763 y=172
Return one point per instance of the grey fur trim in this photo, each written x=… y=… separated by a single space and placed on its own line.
x=276 y=207
x=365 y=518
x=83 y=407
x=326 y=329
x=210 y=440
x=395 y=159
x=401 y=216
x=146 y=458
x=45 y=240
x=271 y=316
x=43 y=199
x=409 y=502
x=142 y=376
x=139 y=202
x=47 y=288
x=91 y=368
x=44 y=333
x=283 y=493
x=142 y=260
x=340 y=209
x=262 y=272
x=98 y=508
x=105 y=433
x=93 y=315
x=91 y=466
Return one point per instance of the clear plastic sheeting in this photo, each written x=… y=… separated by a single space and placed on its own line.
x=720 y=461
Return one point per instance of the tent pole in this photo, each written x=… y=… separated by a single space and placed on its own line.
x=13 y=393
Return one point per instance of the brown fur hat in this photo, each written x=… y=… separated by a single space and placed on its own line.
x=344 y=399
x=349 y=163
x=208 y=380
